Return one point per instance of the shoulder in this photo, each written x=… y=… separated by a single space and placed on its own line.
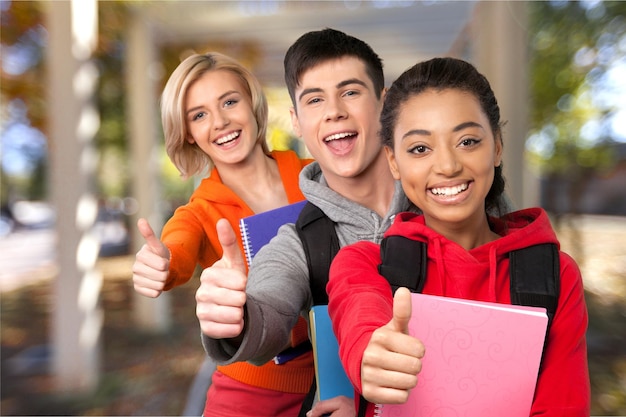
x=290 y=157
x=357 y=253
x=570 y=272
x=213 y=192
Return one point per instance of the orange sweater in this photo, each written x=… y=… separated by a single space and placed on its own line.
x=191 y=237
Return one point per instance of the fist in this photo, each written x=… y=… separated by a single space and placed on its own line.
x=221 y=297
x=152 y=263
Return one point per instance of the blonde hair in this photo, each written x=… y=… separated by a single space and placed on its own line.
x=188 y=158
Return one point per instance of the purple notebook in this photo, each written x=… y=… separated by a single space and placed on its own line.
x=257 y=230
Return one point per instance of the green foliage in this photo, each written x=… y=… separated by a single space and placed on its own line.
x=21 y=23
x=572 y=44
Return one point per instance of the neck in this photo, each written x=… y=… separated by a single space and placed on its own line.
x=469 y=234
x=373 y=188
x=256 y=181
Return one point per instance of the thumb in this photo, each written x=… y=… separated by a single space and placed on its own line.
x=152 y=241
x=231 y=255
x=401 y=310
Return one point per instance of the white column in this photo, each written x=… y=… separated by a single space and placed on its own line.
x=74 y=121
x=142 y=121
x=500 y=51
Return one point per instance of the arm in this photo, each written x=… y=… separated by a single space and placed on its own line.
x=186 y=235
x=276 y=293
x=161 y=265
x=381 y=359
x=563 y=387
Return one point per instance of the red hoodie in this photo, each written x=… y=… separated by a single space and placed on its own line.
x=360 y=300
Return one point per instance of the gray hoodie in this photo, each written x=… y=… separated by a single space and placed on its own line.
x=278 y=288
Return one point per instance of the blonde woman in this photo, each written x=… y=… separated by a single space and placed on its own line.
x=214 y=116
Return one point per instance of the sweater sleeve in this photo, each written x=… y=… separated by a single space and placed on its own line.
x=277 y=293
x=184 y=236
x=360 y=302
x=563 y=387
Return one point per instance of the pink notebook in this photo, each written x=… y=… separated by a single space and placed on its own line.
x=482 y=359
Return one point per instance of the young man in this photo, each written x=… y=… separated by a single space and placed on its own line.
x=337 y=89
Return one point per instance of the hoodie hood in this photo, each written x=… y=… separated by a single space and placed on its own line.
x=213 y=190
x=480 y=273
x=354 y=221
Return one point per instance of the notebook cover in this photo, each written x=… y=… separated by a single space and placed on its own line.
x=331 y=379
x=258 y=229
x=482 y=359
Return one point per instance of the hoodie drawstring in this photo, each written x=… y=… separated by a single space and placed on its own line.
x=440 y=265
x=492 y=273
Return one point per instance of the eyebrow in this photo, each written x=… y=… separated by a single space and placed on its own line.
x=458 y=128
x=227 y=93
x=338 y=86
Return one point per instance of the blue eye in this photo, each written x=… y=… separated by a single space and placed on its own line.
x=198 y=115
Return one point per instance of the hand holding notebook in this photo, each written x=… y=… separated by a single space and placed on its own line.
x=482 y=359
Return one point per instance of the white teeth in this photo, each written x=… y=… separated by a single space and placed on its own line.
x=448 y=191
x=227 y=138
x=338 y=136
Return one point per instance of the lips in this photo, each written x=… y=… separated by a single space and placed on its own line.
x=340 y=142
x=227 y=138
x=338 y=136
x=449 y=191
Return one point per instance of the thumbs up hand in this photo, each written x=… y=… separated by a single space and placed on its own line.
x=221 y=297
x=152 y=263
x=392 y=358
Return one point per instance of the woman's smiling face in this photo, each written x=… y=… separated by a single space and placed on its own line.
x=445 y=154
x=220 y=118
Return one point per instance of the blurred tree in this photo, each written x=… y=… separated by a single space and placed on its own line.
x=23 y=41
x=578 y=59
x=22 y=92
x=111 y=140
x=575 y=49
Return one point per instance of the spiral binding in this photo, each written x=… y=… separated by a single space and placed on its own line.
x=378 y=410
x=247 y=245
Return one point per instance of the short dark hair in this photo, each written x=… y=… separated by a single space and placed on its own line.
x=443 y=74
x=316 y=47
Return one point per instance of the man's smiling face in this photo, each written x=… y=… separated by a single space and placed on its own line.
x=337 y=115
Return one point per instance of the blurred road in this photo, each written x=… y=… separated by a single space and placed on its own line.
x=26 y=256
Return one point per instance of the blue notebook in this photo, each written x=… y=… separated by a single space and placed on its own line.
x=258 y=229
x=331 y=379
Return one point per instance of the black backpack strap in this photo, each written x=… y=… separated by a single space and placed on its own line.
x=307 y=404
x=362 y=406
x=321 y=244
x=535 y=277
x=403 y=263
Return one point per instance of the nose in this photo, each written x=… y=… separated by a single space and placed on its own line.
x=221 y=120
x=335 y=110
x=447 y=162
